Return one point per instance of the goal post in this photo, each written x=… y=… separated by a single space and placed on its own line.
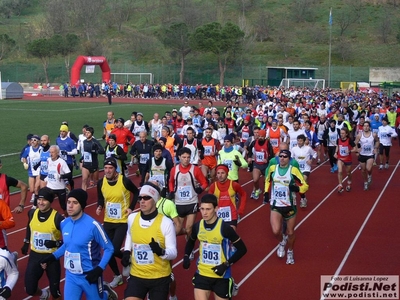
x=132 y=77
x=298 y=82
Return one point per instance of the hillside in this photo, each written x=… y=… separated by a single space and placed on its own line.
x=277 y=32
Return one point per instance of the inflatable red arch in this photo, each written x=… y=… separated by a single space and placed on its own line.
x=90 y=60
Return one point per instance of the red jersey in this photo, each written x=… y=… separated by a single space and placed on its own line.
x=226 y=192
x=4 y=191
x=344 y=148
x=124 y=137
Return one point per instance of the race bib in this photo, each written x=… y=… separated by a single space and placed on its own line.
x=367 y=148
x=260 y=156
x=320 y=135
x=229 y=163
x=72 y=262
x=143 y=254
x=211 y=254
x=332 y=138
x=274 y=142
x=293 y=143
x=185 y=192
x=245 y=135
x=159 y=178
x=344 y=151
x=43 y=166
x=144 y=158
x=114 y=210
x=51 y=176
x=179 y=131
x=225 y=213
x=302 y=166
x=207 y=150
x=281 y=193
x=87 y=157
x=39 y=238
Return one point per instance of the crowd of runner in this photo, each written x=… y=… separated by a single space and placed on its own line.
x=188 y=160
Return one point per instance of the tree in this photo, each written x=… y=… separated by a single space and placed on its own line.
x=7 y=44
x=42 y=49
x=176 y=37
x=65 y=46
x=119 y=12
x=224 y=42
x=9 y=8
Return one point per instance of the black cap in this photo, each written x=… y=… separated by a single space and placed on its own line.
x=29 y=136
x=46 y=193
x=121 y=120
x=110 y=161
x=80 y=195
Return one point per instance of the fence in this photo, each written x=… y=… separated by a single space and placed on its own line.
x=169 y=73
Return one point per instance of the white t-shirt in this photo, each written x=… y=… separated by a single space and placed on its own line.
x=56 y=168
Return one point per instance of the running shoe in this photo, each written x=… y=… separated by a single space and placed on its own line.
x=126 y=271
x=369 y=179
x=335 y=168
x=235 y=289
x=116 y=281
x=303 y=202
x=386 y=166
x=380 y=167
x=332 y=170
x=257 y=194
x=131 y=164
x=32 y=198
x=173 y=297
x=252 y=195
x=318 y=161
x=340 y=189
x=348 y=188
x=45 y=295
x=112 y=295
x=281 y=247
x=290 y=258
x=366 y=186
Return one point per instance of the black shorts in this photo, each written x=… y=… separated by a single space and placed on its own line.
x=91 y=168
x=42 y=177
x=385 y=149
x=307 y=173
x=220 y=286
x=364 y=158
x=188 y=209
x=323 y=142
x=287 y=212
x=34 y=272
x=157 y=289
x=262 y=168
x=232 y=223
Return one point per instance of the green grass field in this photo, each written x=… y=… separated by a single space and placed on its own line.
x=18 y=118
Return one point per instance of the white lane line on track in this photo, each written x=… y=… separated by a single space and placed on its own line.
x=195 y=251
x=346 y=256
x=297 y=226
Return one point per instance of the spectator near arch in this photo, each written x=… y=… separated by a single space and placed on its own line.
x=90 y=60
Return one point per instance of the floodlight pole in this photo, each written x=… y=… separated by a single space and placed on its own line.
x=330 y=48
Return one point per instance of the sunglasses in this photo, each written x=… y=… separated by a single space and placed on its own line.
x=144 y=198
x=283 y=156
x=34 y=140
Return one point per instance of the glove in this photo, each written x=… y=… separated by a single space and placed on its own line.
x=186 y=262
x=24 y=249
x=5 y=292
x=155 y=247
x=63 y=152
x=103 y=136
x=237 y=161
x=266 y=197
x=220 y=269
x=126 y=258
x=294 y=188
x=93 y=275
x=171 y=196
x=35 y=167
x=52 y=244
x=26 y=166
x=198 y=190
x=48 y=259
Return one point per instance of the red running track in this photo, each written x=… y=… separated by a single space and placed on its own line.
x=352 y=233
